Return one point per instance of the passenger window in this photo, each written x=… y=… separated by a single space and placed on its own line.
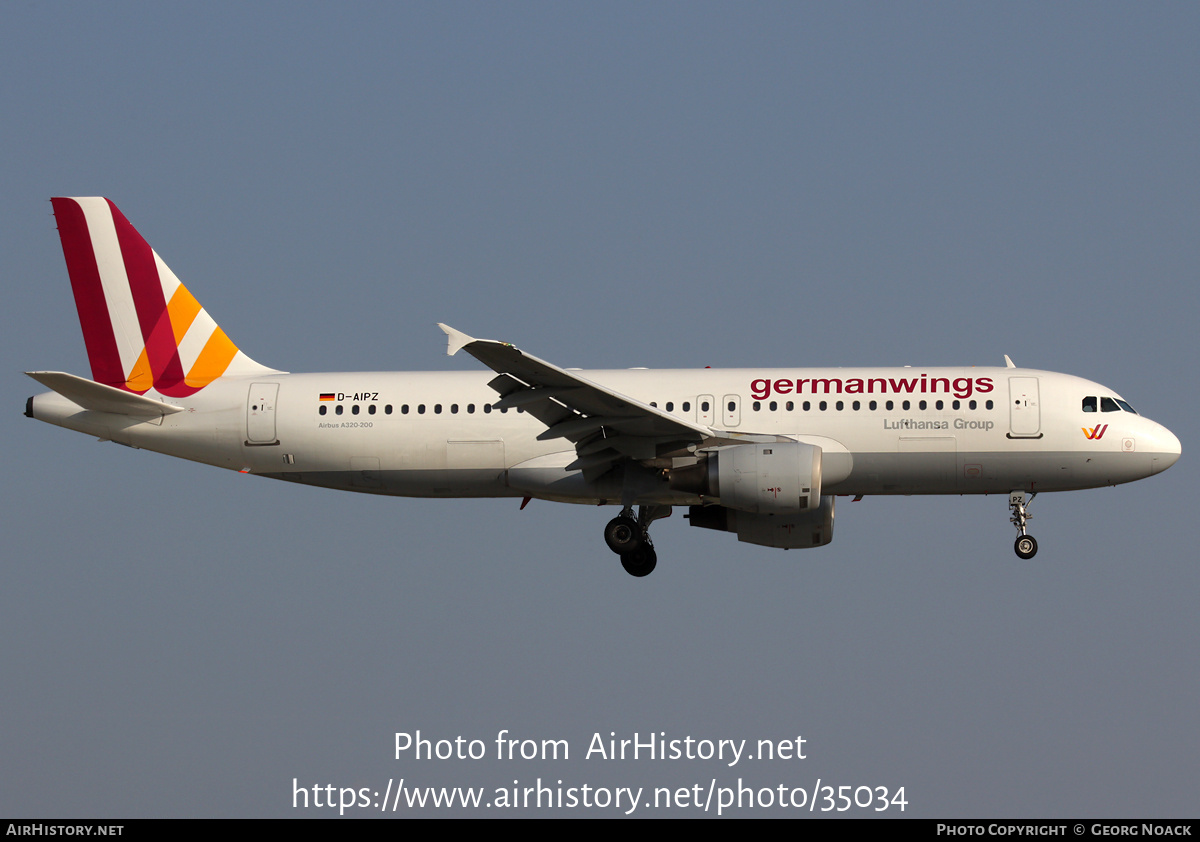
x=687 y=406
x=354 y=410
x=337 y=410
x=1089 y=404
x=322 y=409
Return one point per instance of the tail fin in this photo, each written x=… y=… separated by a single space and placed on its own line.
x=142 y=328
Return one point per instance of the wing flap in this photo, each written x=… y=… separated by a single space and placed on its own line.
x=530 y=395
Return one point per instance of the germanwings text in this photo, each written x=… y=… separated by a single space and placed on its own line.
x=960 y=387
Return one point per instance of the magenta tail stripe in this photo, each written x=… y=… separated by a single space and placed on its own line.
x=98 y=336
x=151 y=305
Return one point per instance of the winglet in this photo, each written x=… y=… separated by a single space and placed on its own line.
x=1007 y=362
x=457 y=339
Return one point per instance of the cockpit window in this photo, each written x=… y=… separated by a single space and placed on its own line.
x=1107 y=405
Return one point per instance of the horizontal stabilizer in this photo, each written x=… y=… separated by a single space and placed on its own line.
x=100 y=398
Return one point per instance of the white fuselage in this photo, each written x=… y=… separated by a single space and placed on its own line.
x=435 y=434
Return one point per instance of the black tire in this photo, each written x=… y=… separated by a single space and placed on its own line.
x=640 y=562
x=623 y=535
x=1025 y=547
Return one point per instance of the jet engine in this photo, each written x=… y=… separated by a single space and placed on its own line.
x=770 y=494
x=780 y=478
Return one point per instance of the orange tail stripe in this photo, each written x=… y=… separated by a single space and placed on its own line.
x=141 y=378
x=218 y=353
x=182 y=310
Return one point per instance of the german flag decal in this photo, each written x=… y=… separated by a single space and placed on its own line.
x=327 y=396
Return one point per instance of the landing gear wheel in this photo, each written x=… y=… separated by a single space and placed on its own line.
x=623 y=535
x=1018 y=505
x=1026 y=546
x=640 y=562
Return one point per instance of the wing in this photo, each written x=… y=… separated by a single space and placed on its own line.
x=604 y=425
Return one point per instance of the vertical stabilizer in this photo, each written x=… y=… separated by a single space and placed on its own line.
x=142 y=328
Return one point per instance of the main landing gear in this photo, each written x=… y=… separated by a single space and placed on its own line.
x=1018 y=504
x=629 y=537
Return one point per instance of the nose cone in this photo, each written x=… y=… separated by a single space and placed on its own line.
x=1167 y=450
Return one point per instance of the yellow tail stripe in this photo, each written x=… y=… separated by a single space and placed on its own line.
x=218 y=353
x=182 y=310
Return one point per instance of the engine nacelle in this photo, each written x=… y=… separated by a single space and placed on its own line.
x=762 y=479
x=789 y=532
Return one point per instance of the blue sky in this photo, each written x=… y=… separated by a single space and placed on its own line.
x=608 y=185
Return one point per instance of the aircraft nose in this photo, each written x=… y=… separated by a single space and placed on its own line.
x=1167 y=450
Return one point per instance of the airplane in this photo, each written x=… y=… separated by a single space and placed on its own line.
x=757 y=452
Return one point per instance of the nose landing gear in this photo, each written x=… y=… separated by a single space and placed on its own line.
x=629 y=537
x=1026 y=545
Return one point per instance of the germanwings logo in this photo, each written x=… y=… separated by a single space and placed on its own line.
x=141 y=326
x=1095 y=433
